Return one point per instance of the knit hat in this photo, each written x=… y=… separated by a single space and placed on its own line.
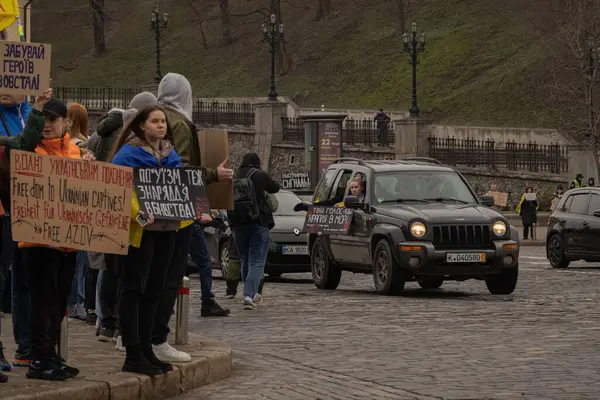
x=129 y=115
x=143 y=100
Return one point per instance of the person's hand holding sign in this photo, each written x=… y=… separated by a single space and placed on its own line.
x=225 y=173
x=144 y=219
x=88 y=156
x=42 y=100
x=205 y=218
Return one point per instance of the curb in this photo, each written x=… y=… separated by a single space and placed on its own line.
x=209 y=364
x=532 y=243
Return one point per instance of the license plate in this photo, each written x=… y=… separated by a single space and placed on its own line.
x=294 y=249
x=465 y=258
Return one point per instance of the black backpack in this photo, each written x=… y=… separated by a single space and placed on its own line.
x=245 y=203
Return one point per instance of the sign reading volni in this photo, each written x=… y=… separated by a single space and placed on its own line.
x=295 y=180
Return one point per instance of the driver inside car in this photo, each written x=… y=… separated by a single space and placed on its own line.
x=338 y=199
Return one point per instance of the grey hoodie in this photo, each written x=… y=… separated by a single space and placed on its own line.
x=175 y=92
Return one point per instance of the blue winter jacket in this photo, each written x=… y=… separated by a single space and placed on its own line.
x=135 y=156
x=15 y=117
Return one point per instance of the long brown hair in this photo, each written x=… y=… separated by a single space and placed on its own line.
x=135 y=128
x=78 y=115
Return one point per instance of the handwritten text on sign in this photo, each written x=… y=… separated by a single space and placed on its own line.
x=328 y=219
x=171 y=193
x=70 y=203
x=25 y=68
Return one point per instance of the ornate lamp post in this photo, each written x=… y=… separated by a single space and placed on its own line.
x=413 y=47
x=594 y=61
x=158 y=25
x=273 y=34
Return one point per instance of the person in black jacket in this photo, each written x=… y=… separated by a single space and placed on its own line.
x=252 y=238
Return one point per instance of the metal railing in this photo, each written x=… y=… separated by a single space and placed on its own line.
x=511 y=155
x=293 y=130
x=96 y=98
x=223 y=113
x=368 y=132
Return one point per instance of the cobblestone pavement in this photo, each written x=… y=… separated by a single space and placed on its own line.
x=541 y=342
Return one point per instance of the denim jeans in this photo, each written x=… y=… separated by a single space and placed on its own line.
x=21 y=300
x=77 y=295
x=253 y=244
x=200 y=256
x=98 y=289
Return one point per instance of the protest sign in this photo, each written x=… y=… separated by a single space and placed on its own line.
x=25 y=68
x=500 y=198
x=177 y=194
x=70 y=203
x=334 y=220
x=530 y=196
x=220 y=195
x=295 y=180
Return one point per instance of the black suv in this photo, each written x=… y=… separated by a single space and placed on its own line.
x=419 y=221
x=574 y=228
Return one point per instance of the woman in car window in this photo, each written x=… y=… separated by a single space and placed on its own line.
x=527 y=209
x=357 y=189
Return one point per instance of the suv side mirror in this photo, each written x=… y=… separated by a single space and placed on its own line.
x=353 y=202
x=596 y=213
x=487 y=201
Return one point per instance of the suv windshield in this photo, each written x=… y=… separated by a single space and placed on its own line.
x=287 y=201
x=419 y=186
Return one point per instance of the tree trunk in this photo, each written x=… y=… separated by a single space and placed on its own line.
x=225 y=22
x=98 y=23
x=401 y=17
x=284 y=62
x=323 y=9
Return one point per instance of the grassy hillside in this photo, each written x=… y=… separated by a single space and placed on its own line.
x=486 y=61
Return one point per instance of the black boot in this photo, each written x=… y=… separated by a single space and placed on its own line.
x=232 y=285
x=150 y=356
x=138 y=364
x=211 y=308
x=46 y=369
x=3 y=378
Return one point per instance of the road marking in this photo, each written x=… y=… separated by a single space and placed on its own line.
x=561 y=271
x=533 y=257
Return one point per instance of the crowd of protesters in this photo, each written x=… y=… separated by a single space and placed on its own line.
x=130 y=298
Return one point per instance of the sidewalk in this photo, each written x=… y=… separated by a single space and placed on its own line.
x=101 y=377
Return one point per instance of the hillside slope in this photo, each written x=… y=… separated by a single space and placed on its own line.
x=486 y=62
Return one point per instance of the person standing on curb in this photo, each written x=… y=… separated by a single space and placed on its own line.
x=175 y=96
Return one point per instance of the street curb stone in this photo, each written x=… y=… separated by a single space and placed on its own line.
x=210 y=363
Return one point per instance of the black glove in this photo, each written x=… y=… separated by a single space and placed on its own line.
x=301 y=206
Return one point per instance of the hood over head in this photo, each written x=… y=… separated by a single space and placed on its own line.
x=175 y=92
x=251 y=160
x=143 y=100
x=129 y=115
x=112 y=123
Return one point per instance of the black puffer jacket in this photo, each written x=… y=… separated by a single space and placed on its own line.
x=108 y=131
x=262 y=183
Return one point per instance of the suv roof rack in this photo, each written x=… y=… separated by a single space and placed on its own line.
x=348 y=159
x=424 y=159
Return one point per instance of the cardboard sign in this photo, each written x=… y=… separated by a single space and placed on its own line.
x=214 y=149
x=70 y=203
x=25 y=68
x=332 y=220
x=500 y=198
x=530 y=196
x=177 y=194
x=295 y=180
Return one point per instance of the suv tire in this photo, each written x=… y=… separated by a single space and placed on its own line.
x=431 y=282
x=555 y=252
x=387 y=276
x=503 y=283
x=326 y=275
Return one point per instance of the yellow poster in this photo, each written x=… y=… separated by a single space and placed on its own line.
x=9 y=11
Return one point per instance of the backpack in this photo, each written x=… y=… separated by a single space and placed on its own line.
x=245 y=203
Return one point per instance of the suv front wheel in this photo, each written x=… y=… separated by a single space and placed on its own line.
x=387 y=276
x=326 y=275
x=503 y=283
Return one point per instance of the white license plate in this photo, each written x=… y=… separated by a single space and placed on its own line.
x=294 y=250
x=465 y=258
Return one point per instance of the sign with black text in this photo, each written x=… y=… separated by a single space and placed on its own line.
x=332 y=220
x=295 y=180
x=25 y=68
x=171 y=193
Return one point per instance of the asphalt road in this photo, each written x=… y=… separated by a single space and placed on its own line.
x=458 y=342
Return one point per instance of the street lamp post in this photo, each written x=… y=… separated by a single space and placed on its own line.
x=593 y=70
x=413 y=47
x=273 y=33
x=158 y=25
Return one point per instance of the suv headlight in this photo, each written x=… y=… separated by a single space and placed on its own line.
x=418 y=229
x=499 y=228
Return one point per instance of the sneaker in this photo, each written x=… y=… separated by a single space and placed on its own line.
x=4 y=365
x=77 y=312
x=91 y=317
x=213 y=309
x=249 y=304
x=106 y=335
x=230 y=295
x=116 y=336
x=166 y=353
x=258 y=298
x=3 y=378
x=47 y=370
x=22 y=357
x=71 y=371
x=119 y=345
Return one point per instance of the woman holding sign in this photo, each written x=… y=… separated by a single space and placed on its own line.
x=147 y=141
x=527 y=209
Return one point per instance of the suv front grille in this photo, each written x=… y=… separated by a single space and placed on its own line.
x=446 y=236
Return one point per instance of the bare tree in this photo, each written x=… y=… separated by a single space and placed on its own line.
x=225 y=22
x=99 y=24
x=323 y=9
x=284 y=61
x=400 y=13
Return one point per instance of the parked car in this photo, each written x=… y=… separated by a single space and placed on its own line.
x=574 y=228
x=305 y=195
x=420 y=221
x=288 y=252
